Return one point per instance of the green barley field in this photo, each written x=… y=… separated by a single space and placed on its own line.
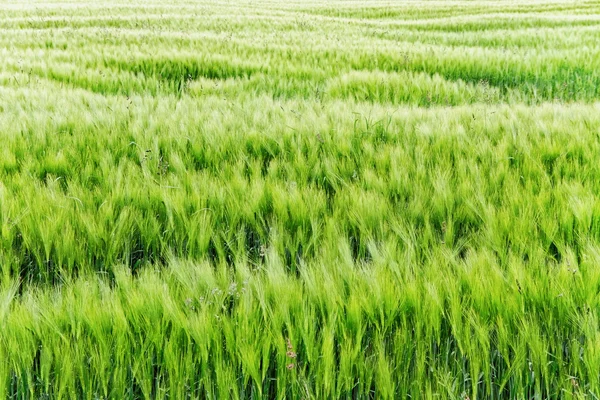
x=271 y=199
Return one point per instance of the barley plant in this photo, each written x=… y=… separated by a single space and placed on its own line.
x=269 y=199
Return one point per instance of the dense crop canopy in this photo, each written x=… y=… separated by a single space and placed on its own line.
x=274 y=199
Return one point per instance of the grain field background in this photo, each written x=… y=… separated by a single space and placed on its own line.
x=299 y=199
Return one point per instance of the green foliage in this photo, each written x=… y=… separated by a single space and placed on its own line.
x=285 y=200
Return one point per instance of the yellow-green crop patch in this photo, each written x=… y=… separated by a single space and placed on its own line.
x=274 y=199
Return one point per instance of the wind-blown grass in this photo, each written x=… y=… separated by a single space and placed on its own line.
x=281 y=200
x=443 y=326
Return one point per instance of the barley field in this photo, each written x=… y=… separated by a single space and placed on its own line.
x=269 y=199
